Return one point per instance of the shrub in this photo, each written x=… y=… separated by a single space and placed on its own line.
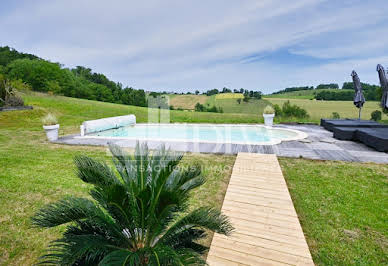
x=278 y=110
x=289 y=110
x=8 y=93
x=246 y=98
x=49 y=120
x=199 y=107
x=13 y=100
x=335 y=115
x=137 y=213
x=376 y=115
x=269 y=110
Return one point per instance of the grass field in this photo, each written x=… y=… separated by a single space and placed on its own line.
x=227 y=101
x=35 y=172
x=343 y=209
x=324 y=109
x=306 y=94
x=222 y=96
x=254 y=106
x=342 y=206
x=186 y=102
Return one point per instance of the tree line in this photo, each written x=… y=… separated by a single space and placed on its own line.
x=371 y=93
x=332 y=92
x=80 y=82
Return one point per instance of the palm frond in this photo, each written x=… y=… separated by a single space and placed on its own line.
x=120 y=257
x=94 y=172
x=204 y=217
x=69 y=209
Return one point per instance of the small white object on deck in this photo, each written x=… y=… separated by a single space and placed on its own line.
x=98 y=125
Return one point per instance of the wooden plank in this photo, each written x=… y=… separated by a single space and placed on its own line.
x=258 y=204
x=263 y=252
x=217 y=261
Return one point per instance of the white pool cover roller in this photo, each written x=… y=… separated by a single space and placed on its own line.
x=98 y=125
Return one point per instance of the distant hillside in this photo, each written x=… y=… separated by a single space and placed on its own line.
x=303 y=94
x=229 y=103
x=81 y=82
x=328 y=92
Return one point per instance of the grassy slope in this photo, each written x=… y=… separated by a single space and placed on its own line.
x=34 y=172
x=222 y=96
x=341 y=205
x=230 y=105
x=227 y=101
x=307 y=94
x=186 y=101
x=342 y=208
x=324 y=109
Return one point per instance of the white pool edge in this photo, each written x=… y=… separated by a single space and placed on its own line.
x=300 y=134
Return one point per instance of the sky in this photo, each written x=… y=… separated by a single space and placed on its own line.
x=186 y=45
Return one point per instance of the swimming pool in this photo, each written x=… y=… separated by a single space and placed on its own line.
x=203 y=133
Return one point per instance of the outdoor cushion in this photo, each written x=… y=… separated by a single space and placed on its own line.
x=374 y=137
x=330 y=124
x=344 y=133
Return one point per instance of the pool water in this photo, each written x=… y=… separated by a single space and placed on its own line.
x=239 y=134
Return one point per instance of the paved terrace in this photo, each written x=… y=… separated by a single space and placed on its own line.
x=319 y=145
x=258 y=204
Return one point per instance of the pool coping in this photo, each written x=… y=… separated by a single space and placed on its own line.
x=300 y=134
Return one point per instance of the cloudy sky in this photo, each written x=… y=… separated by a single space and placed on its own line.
x=185 y=45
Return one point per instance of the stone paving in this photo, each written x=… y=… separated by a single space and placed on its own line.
x=319 y=145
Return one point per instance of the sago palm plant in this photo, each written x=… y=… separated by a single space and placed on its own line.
x=138 y=214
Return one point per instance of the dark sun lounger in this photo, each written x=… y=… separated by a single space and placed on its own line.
x=329 y=124
x=374 y=137
x=344 y=133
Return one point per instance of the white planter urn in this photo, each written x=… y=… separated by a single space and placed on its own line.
x=52 y=132
x=268 y=119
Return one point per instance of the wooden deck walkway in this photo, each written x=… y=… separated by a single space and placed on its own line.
x=267 y=229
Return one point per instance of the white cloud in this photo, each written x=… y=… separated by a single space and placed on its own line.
x=203 y=44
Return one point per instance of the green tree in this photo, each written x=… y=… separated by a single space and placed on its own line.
x=199 y=107
x=138 y=214
x=36 y=73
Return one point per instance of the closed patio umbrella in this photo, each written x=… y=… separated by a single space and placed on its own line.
x=384 y=86
x=359 y=98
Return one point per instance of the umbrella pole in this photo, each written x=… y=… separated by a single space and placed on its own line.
x=359 y=113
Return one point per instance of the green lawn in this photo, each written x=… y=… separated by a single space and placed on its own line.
x=342 y=206
x=35 y=172
x=343 y=209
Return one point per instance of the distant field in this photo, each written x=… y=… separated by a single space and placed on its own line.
x=229 y=96
x=227 y=101
x=187 y=102
x=254 y=106
x=324 y=109
x=307 y=94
